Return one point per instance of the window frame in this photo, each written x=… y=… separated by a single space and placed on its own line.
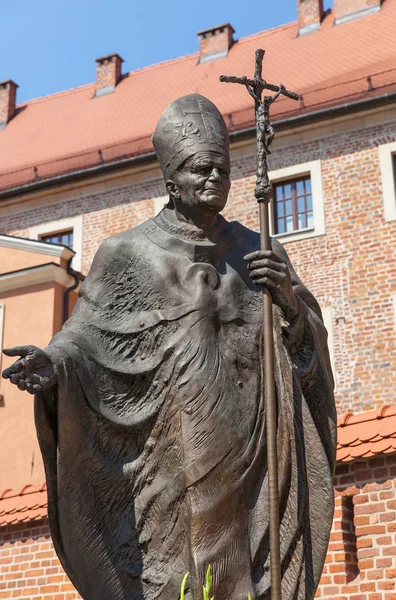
x=387 y=158
x=58 y=234
x=159 y=203
x=314 y=171
x=294 y=200
x=327 y=314
x=74 y=223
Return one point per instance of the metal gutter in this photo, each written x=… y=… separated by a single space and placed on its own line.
x=78 y=277
x=142 y=159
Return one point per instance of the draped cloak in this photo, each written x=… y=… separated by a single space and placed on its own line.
x=154 y=440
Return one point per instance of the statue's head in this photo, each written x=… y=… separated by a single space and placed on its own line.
x=191 y=143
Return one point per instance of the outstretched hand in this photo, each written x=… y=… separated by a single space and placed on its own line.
x=269 y=270
x=33 y=372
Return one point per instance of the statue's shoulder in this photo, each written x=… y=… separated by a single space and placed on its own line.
x=251 y=239
x=247 y=237
x=124 y=241
x=116 y=250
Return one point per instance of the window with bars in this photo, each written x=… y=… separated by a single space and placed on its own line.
x=293 y=208
x=64 y=238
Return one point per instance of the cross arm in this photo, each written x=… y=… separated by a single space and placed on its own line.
x=253 y=83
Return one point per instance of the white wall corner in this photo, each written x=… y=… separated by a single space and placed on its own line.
x=327 y=313
x=2 y=312
x=75 y=223
x=386 y=152
x=159 y=204
x=314 y=170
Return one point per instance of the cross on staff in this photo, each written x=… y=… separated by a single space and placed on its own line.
x=263 y=192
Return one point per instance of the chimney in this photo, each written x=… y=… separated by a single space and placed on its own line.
x=108 y=73
x=348 y=10
x=215 y=42
x=7 y=101
x=310 y=14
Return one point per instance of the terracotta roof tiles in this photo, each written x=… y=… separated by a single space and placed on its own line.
x=63 y=132
x=359 y=436
x=27 y=504
x=366 y=434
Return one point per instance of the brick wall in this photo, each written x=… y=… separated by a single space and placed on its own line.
x=351 y=268
x=361 y=560
x=309 y=12
x=360 y=564
x=29 y=567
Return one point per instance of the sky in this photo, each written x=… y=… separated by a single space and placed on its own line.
x=51 y=45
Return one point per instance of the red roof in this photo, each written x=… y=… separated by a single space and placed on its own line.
x=63 y=132
x=362 y=435
x=27 y=504
x=366 y=434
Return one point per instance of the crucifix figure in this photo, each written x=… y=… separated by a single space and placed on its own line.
x=264 y=131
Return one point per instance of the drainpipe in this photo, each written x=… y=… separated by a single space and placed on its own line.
x=66 y=298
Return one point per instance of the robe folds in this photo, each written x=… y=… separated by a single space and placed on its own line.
x=154 y=440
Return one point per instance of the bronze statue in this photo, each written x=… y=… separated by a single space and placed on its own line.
x=149 y=405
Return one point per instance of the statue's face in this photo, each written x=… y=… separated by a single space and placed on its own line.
x=202 y=182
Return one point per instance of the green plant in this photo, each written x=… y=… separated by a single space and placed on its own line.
x=206 y=588
x=183 y=586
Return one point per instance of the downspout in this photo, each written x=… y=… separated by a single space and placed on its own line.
x=66 y=297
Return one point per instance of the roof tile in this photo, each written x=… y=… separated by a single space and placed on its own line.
x=362 y=435
x=366 y=434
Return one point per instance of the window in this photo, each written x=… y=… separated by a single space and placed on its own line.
x=293 y=205
x=298 y=210
x=67 y=232
x=63 y=238
x=387 y=159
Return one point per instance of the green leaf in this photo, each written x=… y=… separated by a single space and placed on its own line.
x=208 y=585
x=249 y=596
x=183 y=586
x=208 y=580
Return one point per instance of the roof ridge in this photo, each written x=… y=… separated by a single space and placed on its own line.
x=349 y=418
x=55 y=95
x=270 y=31
x=24 y=491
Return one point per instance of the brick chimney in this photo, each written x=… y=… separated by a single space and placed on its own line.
x=348 y=10
x=7 y=101
x=108 y=73
x=215 y=42
x=310 y=14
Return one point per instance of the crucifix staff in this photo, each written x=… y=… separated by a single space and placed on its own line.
x=263 y=193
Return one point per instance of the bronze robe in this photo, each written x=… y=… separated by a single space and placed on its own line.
x=154 y=437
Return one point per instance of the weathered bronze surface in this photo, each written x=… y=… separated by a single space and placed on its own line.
x=149 y=406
